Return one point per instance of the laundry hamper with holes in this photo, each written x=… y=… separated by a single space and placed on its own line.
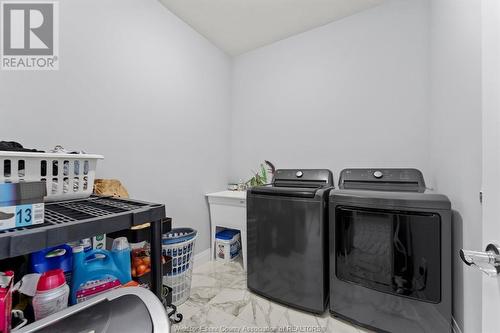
x=179 y=244
x=68 y=176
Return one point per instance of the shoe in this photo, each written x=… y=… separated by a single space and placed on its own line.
x=6 y=216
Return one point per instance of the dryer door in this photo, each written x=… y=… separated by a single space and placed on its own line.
x=390 y=251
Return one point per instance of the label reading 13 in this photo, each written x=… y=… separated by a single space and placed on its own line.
x=24 y=215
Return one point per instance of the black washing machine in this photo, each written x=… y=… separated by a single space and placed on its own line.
x=390 y=252
x=288 y=238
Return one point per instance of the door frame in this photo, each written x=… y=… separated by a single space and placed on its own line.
x=491 y=154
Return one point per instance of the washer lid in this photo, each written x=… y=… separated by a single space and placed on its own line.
x=312 y=178
x=301 y=183
x=285 y=191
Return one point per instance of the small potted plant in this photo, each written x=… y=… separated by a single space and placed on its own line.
x=263 y=176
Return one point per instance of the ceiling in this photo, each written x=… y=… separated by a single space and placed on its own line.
x=238 y=26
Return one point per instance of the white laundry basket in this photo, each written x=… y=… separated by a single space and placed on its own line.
x=179 y=244
x=68 y=176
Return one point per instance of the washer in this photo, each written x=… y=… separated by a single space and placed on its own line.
x=287 y=238
x=390 y=252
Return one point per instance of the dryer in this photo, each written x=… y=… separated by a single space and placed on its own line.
x=390 y=252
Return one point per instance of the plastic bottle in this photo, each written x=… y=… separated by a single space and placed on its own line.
x=241 y=185
x=87 y=244
x=120 y=244
x=97 y=271
x=53 y=258
x=52 y=294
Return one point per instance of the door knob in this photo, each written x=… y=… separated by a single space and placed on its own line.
x=487 y=262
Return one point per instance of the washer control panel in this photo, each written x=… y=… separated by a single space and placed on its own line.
x=303 y=177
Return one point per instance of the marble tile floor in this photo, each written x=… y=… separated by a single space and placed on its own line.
x=220 y=302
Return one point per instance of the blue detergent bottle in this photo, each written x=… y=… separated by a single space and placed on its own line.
x=53 y=258
x=97 y=271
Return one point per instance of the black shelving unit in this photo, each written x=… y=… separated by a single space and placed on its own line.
x=70 y=221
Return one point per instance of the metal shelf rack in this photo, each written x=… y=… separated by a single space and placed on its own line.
x=70 y=221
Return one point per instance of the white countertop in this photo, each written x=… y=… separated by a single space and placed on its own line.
x=229 y=194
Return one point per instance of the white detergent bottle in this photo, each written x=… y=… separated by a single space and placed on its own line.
x=52 y=294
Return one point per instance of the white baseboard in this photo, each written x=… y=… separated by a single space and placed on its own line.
x=456 y=328
x=202 y=258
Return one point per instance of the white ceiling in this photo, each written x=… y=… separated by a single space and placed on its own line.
x=238 y=26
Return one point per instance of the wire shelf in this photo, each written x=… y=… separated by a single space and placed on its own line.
x=73 y=220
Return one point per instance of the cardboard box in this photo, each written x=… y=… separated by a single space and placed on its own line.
x=21 y=204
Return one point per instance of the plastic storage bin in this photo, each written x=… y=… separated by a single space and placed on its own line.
x=68 y=176
x=227 y=245
x=179 y=244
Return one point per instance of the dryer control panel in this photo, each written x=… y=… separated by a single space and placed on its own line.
x=395 y=180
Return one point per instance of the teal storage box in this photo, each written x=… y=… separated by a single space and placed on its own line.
x=21 y=204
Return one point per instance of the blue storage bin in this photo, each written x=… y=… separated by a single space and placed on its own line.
x=227 y=245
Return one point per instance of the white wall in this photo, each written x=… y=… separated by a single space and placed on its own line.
x=455 y=149
x=353 y=93
x=139 y=86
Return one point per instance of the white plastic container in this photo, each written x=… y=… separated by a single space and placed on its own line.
x=227 y=245
x=68 y=176
x=51 y=295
